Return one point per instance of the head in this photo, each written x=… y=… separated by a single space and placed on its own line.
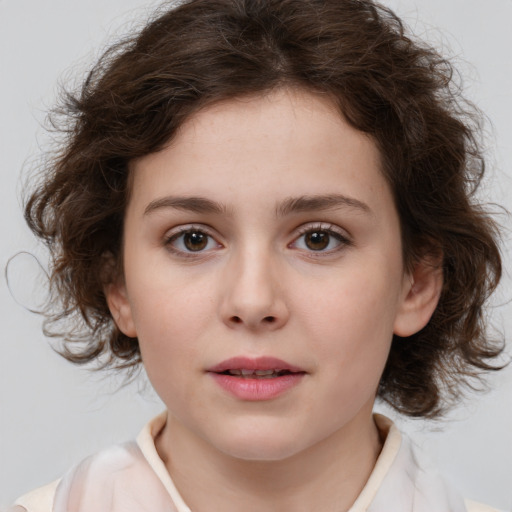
x=352 y=55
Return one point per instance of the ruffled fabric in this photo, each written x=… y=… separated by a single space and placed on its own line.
x=411 y=487
x=116 y=480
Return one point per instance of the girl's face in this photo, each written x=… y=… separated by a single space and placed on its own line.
x=264 y=237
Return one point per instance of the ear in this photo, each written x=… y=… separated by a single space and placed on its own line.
x=120 y=308
x=420 y=296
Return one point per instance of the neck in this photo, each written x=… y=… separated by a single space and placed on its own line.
x=327 y=476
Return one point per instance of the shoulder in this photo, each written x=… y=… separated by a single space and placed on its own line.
x=117 y=479
x=103 y=464
x=38 y=500
x=95 y=477
x=405 y=471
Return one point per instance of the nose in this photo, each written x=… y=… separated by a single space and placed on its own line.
x=253 y=295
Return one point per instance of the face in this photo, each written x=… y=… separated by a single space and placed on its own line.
x=263 y=274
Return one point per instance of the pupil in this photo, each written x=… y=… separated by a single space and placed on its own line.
x=195 y=241
x=317 y=240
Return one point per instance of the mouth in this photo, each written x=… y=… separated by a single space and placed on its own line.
x=259 y=379
x=255 y=368
x=257 y=374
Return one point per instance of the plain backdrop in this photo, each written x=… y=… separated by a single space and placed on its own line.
x=53 y=414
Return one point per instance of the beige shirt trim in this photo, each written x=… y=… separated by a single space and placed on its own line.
x=39 y=500
x=146 y=442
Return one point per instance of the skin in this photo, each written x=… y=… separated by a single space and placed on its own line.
x=257 y=288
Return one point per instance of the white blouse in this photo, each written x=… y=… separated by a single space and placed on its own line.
x=132 y=478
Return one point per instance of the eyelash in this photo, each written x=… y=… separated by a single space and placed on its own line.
x=332 y=231
x=181 y=232
x=329 y=229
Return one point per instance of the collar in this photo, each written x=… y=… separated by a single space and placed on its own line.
x=132 y=478
x=398 y=483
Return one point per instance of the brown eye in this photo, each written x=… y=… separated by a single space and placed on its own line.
x=195 y=240
x=317 y=240
x=191 y=241
x=326 y=240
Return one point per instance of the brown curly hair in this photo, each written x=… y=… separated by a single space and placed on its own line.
x=398 y=91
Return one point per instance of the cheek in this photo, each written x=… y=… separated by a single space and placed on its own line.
x=169 y=353
x=166 y=303
x=169 y=320
x=350 y=320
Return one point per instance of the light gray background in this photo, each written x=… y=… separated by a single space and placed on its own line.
x=53 y=414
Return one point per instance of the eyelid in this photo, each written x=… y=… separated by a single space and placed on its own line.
x=322 y=226
x=184 y=228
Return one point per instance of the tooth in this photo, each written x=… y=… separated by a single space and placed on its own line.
x=264 y=372
x=235 y=372
x=246 y=373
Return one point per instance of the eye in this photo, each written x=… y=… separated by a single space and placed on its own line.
x=320 y=239
x=191 y=240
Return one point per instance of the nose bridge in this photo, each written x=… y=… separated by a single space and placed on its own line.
x=252 y=294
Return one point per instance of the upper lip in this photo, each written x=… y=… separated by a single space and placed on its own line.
x=258 y=363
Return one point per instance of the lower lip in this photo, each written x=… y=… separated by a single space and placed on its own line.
x=257 y=389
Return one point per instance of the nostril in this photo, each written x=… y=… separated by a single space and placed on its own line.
x=265 y=320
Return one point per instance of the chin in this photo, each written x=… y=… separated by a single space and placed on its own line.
x=261 y=452
x=262 y=446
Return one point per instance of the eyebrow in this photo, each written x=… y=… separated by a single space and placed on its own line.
x=320 y=202
x=290 y=205
x=190 y=204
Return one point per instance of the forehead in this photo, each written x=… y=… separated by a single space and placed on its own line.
x=285 y=143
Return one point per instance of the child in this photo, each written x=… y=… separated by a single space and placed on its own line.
x=268 y=204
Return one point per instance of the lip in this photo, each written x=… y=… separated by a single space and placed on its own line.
x=256 y=389
x=258 y=363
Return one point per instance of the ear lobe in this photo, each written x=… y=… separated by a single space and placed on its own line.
x=120 y=308
x=422 y=289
